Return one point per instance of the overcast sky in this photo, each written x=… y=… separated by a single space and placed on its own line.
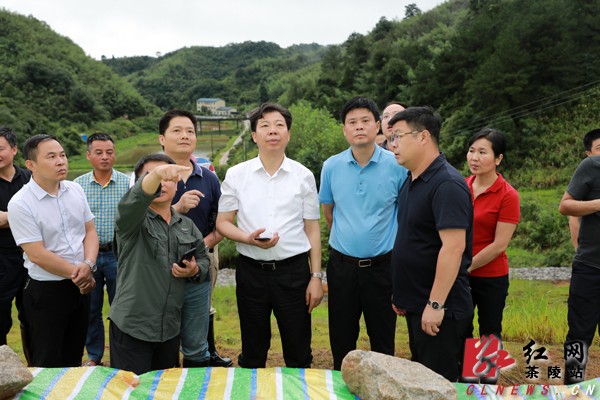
x=144 y=27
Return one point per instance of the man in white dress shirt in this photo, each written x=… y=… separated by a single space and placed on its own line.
x=278 y=238
x=51 y=220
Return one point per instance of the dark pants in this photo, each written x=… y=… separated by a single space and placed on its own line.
x=281 y=291
x=489 y=296
x=56 y=316
x=140 y=356
x=442 y=353
x=105 y=274
x=583 y=316
x=354 y=291
x=12 y=280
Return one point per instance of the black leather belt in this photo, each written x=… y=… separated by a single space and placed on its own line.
x=105 y=247
x=362 y=262
x=273 y=264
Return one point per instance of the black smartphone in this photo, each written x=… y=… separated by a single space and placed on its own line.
x=187 y=256
x=262 y=239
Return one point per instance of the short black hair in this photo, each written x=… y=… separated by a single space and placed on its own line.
x=30 y=149
x=495 y=137
x=359 y=102
x=423 y=117
x=165 y=120
x=266 y=108
x=149 y=158
x=9 y=135
x=589 y=138
x=98 y=136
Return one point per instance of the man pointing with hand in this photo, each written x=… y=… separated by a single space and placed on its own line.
x=145 y=316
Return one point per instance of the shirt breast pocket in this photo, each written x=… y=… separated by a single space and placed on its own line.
x=184 y=244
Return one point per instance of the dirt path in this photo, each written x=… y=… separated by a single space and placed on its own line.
x=225 y=157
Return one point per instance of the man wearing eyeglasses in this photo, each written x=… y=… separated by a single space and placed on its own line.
x=359 y=191
x=433 y=245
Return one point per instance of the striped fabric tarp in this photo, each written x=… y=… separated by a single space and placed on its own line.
x=102 y=383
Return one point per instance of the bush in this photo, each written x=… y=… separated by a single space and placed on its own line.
x=227 y=254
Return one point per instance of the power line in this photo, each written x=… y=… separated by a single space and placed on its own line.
x=559 y=99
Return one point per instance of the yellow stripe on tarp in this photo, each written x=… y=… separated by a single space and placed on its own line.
x=167 y=386
x=266 y=386
x=218 y=383
x=119 y=386
x=316 y=384
x=67 y=385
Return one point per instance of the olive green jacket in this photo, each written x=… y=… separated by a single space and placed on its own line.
x=148 y=298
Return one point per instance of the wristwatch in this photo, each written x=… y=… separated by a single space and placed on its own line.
x=435 y=305
x=91 y=265
x=318 y=275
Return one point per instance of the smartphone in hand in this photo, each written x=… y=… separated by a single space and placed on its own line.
x=187 y=256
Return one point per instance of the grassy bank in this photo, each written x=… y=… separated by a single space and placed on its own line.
x=535 y=309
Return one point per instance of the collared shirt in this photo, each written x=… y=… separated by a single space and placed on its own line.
x=584 y=186
x=205 y=181
x=58 y=221
x=7 y=191
x=103 y=200
x=436 y=200
x=364 y=202
x=279 y=203
x=148 y=299
x=498 y=203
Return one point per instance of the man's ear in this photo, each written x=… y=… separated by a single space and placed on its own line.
x=30 y=165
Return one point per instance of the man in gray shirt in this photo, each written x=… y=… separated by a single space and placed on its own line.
x=582 y=199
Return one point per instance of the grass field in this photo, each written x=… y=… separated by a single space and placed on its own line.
x=535 y=310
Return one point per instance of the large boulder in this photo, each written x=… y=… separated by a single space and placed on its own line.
x=376 y=376
x=14 y=376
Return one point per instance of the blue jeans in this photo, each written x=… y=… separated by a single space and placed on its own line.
x=194 y=321
x=105 y=274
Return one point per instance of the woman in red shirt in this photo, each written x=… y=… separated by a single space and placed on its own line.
x=496 y=213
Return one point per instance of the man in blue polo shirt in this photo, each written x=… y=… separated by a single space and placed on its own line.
x=433 y=245
x=359 y=192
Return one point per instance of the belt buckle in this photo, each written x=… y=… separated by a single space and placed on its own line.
x=268 y=265
x=364 y=263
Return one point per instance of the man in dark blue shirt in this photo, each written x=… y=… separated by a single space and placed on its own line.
x=197 y=197
x=433 y=245
x=12 y=272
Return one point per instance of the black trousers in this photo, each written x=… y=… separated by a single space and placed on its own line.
x=12 y=280
x=281 y=291
x=583 y=315
x=489 y=296
x=442 y=353
x=140 y=356
x=354 y=291
x=56 y=316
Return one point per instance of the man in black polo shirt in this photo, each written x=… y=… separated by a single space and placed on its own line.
x=433 y=245
x=12 y=272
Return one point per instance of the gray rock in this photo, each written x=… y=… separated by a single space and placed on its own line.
x=376 y=376
x=14 y=376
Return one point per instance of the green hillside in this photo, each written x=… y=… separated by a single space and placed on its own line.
x=240 y=73
x=48 y=84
